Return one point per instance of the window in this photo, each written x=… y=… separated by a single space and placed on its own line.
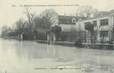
x=73 y=20
x=104 y=22
x=103 y=33
x=95 y=23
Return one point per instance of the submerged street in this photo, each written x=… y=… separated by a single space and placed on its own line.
x=32 y=57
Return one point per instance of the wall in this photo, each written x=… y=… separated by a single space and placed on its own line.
x=68 y=27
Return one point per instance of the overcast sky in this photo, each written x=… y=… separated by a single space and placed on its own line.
x=9 y=14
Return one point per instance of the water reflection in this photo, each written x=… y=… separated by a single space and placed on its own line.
x=32 y=50
x=16 y=56
x=25 y=56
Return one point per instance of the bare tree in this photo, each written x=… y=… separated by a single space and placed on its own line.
x=86 y=11
x=19 y=26
x=29 y=15
x=51 y=16
x=46 y=19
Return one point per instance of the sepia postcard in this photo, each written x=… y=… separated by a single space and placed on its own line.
x=56 y=36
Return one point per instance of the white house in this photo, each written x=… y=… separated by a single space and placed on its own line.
x=103 y=27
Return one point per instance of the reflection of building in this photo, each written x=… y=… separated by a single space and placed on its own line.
x=103 y=28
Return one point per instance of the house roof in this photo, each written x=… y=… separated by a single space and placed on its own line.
x=108 y=14
x=69 y=19
x=66 y=19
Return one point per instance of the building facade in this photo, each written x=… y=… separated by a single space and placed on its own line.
x=68 y=27
x=103 y=28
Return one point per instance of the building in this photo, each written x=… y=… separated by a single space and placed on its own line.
x=68 y=27
x=103 y=28
x=67 y=23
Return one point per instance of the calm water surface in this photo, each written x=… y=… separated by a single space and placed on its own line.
x=26 y=56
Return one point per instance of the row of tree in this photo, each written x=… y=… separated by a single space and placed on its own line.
x=36 y=26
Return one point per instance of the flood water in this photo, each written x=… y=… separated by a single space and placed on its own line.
x=28 y=56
